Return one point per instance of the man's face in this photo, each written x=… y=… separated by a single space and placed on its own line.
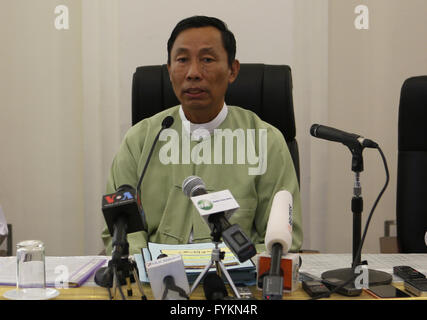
x=199 y=69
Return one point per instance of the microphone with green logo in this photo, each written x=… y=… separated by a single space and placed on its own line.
x=232 y=235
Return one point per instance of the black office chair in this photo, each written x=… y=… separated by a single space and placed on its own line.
x=411 y=197
x=263 y=89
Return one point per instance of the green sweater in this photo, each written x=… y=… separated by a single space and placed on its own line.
x=170 y=215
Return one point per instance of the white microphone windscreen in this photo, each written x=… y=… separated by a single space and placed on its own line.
x=279 y=226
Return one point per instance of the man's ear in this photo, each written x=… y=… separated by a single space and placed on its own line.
x=235 y=68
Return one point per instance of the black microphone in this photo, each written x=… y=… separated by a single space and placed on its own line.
x=235 y=239
x=166 y=123
x=122 y=210
x=351 y=140
x=214 y=287
x=124 y=214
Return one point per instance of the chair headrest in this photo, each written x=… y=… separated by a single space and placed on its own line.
x=413 y=115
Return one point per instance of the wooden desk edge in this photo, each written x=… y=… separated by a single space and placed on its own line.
x=99 y=293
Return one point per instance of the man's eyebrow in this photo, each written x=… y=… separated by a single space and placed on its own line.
x=208 y=50
x=181 y=50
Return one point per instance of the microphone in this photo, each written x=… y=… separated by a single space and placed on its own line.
x=233 y=236
x=214 y=287
x=351 y=140
x=125 y=203
x=279 y=225
x=278 y=240
x=168 y=279
x=124 y=214
x=166 y=123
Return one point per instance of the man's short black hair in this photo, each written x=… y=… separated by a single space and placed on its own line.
x=228 y=40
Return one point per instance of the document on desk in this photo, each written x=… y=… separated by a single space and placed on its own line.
x=60 y=271
x=195 y=258
x=316 y=264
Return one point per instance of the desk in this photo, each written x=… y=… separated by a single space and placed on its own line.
x=92 y=292
x=98 y=293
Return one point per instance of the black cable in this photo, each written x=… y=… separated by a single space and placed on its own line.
x=376 y=201
x=366 y=226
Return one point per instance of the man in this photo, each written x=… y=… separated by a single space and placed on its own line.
x=201 y=65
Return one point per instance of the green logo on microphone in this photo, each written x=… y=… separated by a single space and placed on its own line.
x=205 y=204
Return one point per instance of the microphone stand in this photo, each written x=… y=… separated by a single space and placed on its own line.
x=216 y=257
x=121 y=267
x=345 y=274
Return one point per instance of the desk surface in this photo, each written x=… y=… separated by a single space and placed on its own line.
x=312 y=263
x=98 y=293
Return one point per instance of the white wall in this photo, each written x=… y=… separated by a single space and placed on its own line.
x=41 y=185
x=366 y=71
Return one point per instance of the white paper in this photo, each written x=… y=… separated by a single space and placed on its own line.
x=57 y=269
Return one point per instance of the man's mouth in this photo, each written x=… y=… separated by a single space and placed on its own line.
x=194 y=92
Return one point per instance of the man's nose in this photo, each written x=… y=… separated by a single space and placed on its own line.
x=194 y=71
